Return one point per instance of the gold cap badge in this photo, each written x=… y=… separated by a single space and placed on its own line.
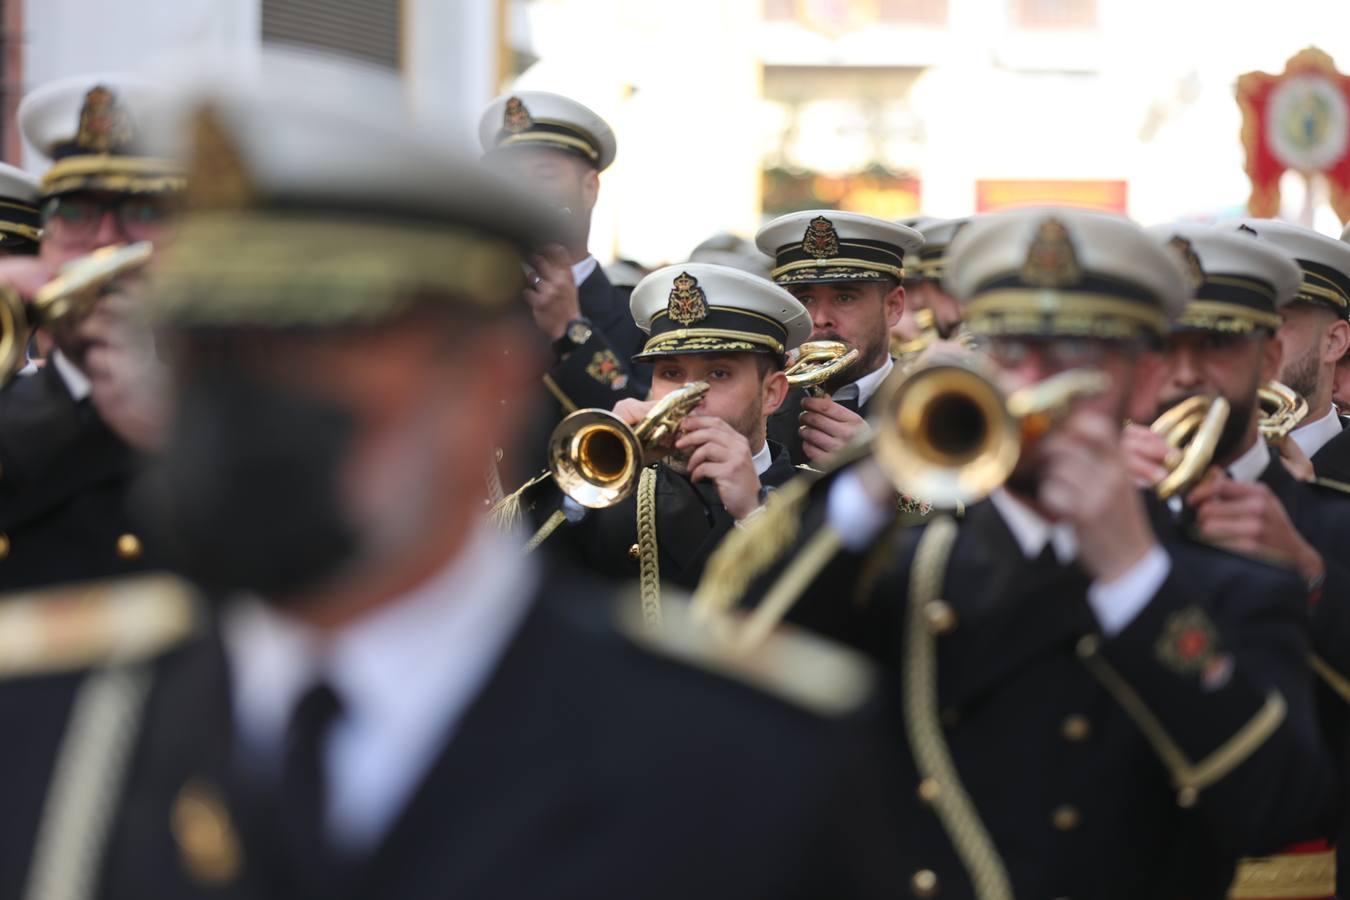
x=1051 y=261
x=217 y=177
x=1195 y=273
x=821 y=240
x=104 y=122
x=516 y=118
x=688 y=304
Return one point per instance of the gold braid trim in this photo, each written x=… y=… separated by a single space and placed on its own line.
x=1335 y=680
x=563 y=400
x=933 y=759
x=1289 y=875
x=749 y=550
x=550 y=525
x=649 y=567
x=814 y=555
x=1187 y=777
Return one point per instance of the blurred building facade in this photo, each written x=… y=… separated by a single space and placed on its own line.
x=729 y=112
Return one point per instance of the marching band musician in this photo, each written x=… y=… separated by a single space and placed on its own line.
x=847 y=270
x=707 y=323
x=66 y=463
x=1093 y=704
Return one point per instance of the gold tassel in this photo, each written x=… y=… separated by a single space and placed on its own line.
x=508 y=513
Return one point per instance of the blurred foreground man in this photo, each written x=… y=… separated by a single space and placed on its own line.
x=66 y=437
x=394 y=705
x=1094 y=706
x=846 y=269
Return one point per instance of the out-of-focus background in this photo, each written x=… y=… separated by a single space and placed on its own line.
x=729 y=112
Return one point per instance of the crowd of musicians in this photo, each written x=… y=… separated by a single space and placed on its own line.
x=361 y=536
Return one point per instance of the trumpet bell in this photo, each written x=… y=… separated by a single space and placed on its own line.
x=946 y=436
x=595 y=458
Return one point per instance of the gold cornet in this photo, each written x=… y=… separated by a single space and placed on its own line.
x=1192 y=428
x=818 y=362
x=595 y=457
x=949 y=436
x=71 y=295
x=1281 y=411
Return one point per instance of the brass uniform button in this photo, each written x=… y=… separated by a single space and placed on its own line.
x=941 y=617
x=129 y=546
x=4 y=545
x=1076 y=729
x=1187 y=797
x=924 y=883
x=1066 y=818
x=929 y=790
x=634 y=552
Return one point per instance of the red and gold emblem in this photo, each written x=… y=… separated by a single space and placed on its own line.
x=104 y=123
x=688 y=304
x=1189 y=645
x=1051 y=260
x=604 y=367
x=1298 y=120
x=821 y=240
x=516 y=118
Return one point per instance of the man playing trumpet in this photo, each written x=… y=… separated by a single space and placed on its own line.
x=1083 y=691
x=731 y=330
x=847 y=270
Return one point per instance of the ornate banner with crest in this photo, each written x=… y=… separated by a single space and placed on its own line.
x=1298 y=120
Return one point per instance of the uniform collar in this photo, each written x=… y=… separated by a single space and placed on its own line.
x=582 y=270
x=1313 y=436
x=762 y=459
x=1248 y=467
x=406 y=674
x=863 y=389
x=1032 y=531
x=76 y=382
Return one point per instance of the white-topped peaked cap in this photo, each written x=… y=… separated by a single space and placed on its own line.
x=306 y=208
x=541 y=119
x=707 y=308
x=824 y=245
x=1325 y=261
x=937 y=238
x=20 y=222
x=1053 y=271
x=90 y=126
x=1239 y=282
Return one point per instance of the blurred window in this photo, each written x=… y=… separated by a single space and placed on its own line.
x=1054 y=13
x=369 y=30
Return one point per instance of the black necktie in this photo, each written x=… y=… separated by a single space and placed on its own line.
x=849 y=403
x=303 y=796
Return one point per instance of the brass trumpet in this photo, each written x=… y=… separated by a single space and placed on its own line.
x=818 y=362
x=949 y=436
x=1281 y=411
x=71 y=295
x=1192 y=429
x=595 y=457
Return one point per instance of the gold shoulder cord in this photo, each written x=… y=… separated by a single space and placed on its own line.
x=931 y=755
x=649 y=568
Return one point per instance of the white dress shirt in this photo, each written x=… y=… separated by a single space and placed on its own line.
x=582 y=270
x=1248 y=467
x=77 y=383
x=406 y=674
x=863 y=389
x=857 y=519
x=1314 y=435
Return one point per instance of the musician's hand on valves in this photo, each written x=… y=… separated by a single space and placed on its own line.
x=1146 y=454
x=1085 y=482
x=1295 y=460
x=826 y=427
x=551 y=291
x=720 y=454
x=1249 y=518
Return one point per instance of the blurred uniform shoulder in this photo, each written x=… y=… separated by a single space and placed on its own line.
x=791 y=666
x=79 y=626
